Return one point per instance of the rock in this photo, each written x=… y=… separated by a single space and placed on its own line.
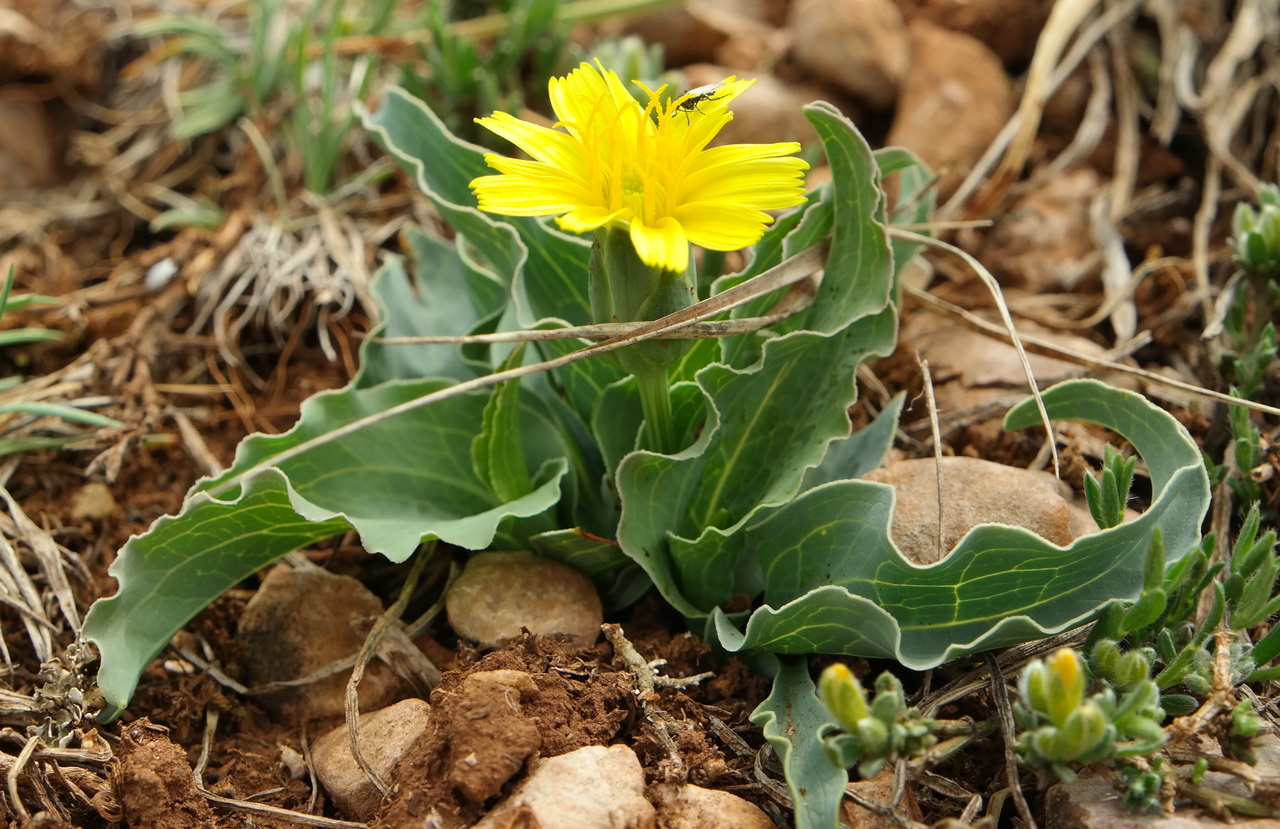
x=595 y=787
x=1008 y=495
x=1008 y=29
x=94 y=501
x=498 y=593
x=693 y=807
x=156 y=787
x=858 y=45
x=1090 y=802
x=31 y=148
x=879 y=789
x=685 y=35
x=491 y=736
x=1040 y=243
x=386 y=737
x=302 y=620
x=954 y=99
x=768 y=112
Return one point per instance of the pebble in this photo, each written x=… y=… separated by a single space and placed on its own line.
x=955 y=97
x=595 y=787
x=1008 y=29
x=1091 y=802
x=302 y=620
x=693 y=807
x=1009 y=495
x=859 y=46
x=879 y=789
x=498 y=593
x=386 y=738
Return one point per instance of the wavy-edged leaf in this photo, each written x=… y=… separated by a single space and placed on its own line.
x=766 y=424
x=794 y=721
x=544 y=268
x=835 y=582
x=397 y=482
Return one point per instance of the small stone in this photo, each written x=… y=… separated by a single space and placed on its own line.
x=955 y=98
x=1090 y=802
x=693 y=807
x=1006 y=495
x=879 y=789
x=858 y=45
x=303 y=620
x=498 y=593
x=595 y=787
x=93 y=502
x=686 y=36
x=1008 y=29
x=386 y=738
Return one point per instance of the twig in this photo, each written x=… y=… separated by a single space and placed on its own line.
x=647 y=678
x=289 y=815
x=1008 y=732
x=936 y=429
x=367 y=651
x=793 y=270
x=15 y=772
x=994 y=287
x=600 y=331
x=1039 y=345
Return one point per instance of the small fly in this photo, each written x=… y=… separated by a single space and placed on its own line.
x=701 y=95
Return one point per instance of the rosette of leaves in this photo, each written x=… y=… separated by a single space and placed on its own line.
x=762 y=501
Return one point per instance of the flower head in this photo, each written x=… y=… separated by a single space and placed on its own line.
x=646 y=168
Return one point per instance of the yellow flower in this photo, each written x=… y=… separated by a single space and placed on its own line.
x=645 y=168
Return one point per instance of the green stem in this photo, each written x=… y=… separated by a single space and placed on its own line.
x=655 y=400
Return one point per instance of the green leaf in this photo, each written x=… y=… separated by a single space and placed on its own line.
x=794 y=721
x=861 y=452
x=497 y=453
x=916 y=197
x=71 y=413
x=835 y=582
x=544 y=268
x=396 y=482
x=21 y=336
x=617 y=580
x=766 y=424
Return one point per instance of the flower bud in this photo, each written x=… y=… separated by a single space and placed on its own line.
x=843 y=695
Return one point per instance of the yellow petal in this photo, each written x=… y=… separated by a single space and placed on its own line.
x=584 y=219
x=721 y=226
x=663 y=245
x=546 y=145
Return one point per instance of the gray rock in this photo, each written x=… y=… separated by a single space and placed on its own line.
x=500 y=592
x=693 y=807
x=858 y=45
x=386 y=737
x=954 y=99
x=595 y=787
x=1091 y=802
x=302 y=620
x=1004 y=495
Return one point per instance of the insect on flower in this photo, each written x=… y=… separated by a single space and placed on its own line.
x=610 y=161
x=690 y=100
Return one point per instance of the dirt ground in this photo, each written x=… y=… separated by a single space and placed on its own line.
x=192 y=365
